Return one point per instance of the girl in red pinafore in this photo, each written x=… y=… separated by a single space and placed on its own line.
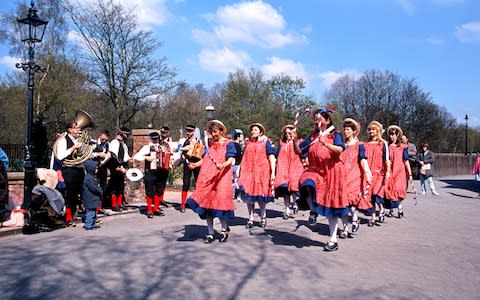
x=257 y=173
x=396 y=189
x=213 y=192
x=357 y=175
x=321 y=183
x=376 y=151
x=289 y=170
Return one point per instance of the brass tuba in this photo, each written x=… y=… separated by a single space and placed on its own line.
x=83 y=153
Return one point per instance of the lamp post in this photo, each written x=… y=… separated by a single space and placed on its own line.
x=209 y=109
x=466 y=134
x=32 y=29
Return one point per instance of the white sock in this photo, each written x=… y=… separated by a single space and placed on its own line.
x=333 y=225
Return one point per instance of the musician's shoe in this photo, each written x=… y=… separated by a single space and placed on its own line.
x=249 y=224
x=150 y=215
x=71 y=224
x=182 y=210
x=159 y=213
x=123 y=207
x=116 y=209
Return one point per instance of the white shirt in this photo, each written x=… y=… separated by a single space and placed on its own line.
x=62 y=150
x=115 y=146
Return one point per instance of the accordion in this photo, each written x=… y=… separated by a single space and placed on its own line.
x=162 y=157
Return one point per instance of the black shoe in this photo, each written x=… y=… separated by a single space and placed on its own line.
x=150 y=215
x=312 y=219
x=355 y=225
x=371 y=223
x=381 y=218
x=224 y=235
x=400 y=213
x=390 y=214
x=263 y=222
x=343 y=234
x=286 y=216
x=71 y=224
x=123 y=207
x=116 y=209
x=182 y=210
x=331 y=246
x=159 y=213
x=101 y=212
x=295 y=209
x=249 y=224
x=209 y=239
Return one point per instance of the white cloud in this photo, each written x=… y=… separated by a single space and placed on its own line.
x=468 y=32
x=407 y=6
x=9 y=62
x=328 y=78
x=434 y=40
x=223 y=60
x=286 y=66
x=255 y=23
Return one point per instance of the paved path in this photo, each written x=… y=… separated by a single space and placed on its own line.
x=433 y=253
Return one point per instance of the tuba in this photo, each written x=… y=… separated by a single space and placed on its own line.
x=83 y=153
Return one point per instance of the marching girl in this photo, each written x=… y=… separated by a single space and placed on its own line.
x=257 y=174
x=376 y=150
x=400 y=166
x=213 y=192
x=357 y=175
x=321 y=182
x=289 y=169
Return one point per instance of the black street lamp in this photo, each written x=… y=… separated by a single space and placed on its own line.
x=466 y=134
x=32 y=29
x=209 y=109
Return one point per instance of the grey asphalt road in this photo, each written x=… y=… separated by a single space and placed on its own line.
x=432 y=253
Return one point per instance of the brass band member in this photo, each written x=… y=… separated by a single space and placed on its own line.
x=73 y=175
x=117 y=160
x=157 y=165
x=191 y=164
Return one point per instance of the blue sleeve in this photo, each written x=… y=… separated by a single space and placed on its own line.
x=231 y=150
x=361 y=152
x=338 y=140
x=4 y=158
x=304 y=145
x=405 y=154
x=270 y=150
x=93 y=187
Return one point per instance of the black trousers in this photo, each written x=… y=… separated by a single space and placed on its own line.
x=155 y=182
x=73 y=186
x=187 y=176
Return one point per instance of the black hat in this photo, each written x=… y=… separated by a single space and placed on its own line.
x=164 y=128
x=154 y=135
x=190 y=127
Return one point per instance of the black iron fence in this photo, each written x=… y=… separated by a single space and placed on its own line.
x=16 y=155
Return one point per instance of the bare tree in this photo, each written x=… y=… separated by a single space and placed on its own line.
x=119 y=56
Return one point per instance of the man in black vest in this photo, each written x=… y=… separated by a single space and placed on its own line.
x=73 y=175
x=118 y=159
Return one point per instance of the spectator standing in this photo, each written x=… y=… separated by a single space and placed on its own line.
x=426 y=160
x=91 y=195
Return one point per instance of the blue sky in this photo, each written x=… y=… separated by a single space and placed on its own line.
x=437 y=42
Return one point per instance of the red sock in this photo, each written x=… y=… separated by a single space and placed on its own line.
x=184 y=198
x=149 y=204
x=68 y=215
x=114 y=201
x=156 y=202
x=120 y=200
